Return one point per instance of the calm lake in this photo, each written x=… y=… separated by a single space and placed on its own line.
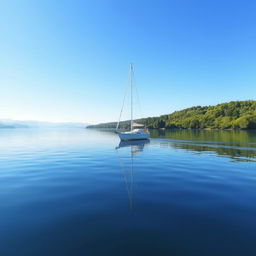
x=81 y=192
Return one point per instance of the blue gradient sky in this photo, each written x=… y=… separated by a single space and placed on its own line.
x=68 y=60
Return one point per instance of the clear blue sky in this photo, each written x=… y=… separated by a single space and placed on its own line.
x=68 y=60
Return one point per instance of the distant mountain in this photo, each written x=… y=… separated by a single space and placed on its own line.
x=232 y=115
x=8 y=123
x=5 y=126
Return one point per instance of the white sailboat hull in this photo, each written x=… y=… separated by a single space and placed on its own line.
x=134 y=135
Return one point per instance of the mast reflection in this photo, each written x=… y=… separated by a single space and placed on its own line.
x=127 y=169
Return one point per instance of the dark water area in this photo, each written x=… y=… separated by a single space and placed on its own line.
x=81 y=192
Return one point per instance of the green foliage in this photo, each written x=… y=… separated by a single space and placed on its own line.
x=232 y=115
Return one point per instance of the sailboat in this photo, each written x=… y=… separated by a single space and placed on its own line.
x=137 y=131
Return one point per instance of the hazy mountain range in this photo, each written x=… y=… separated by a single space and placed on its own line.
x=8 y=123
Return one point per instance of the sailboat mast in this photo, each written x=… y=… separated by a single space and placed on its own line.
x=131 y=74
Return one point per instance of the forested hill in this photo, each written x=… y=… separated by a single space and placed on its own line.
x=232 y=115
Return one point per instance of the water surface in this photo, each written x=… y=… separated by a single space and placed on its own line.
x=81 y=192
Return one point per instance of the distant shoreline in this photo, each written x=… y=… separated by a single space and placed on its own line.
x=177 y=129
x=234 y=115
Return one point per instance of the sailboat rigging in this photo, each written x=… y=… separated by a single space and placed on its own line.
x=137 y=131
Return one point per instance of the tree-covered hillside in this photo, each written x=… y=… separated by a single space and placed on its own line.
x=232 y=115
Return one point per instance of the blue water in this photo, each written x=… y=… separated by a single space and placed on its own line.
x=78 y=192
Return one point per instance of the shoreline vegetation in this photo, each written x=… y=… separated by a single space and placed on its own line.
x=226 y=116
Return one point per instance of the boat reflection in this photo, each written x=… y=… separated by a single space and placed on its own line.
x=135 y=145
x=127 y=164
